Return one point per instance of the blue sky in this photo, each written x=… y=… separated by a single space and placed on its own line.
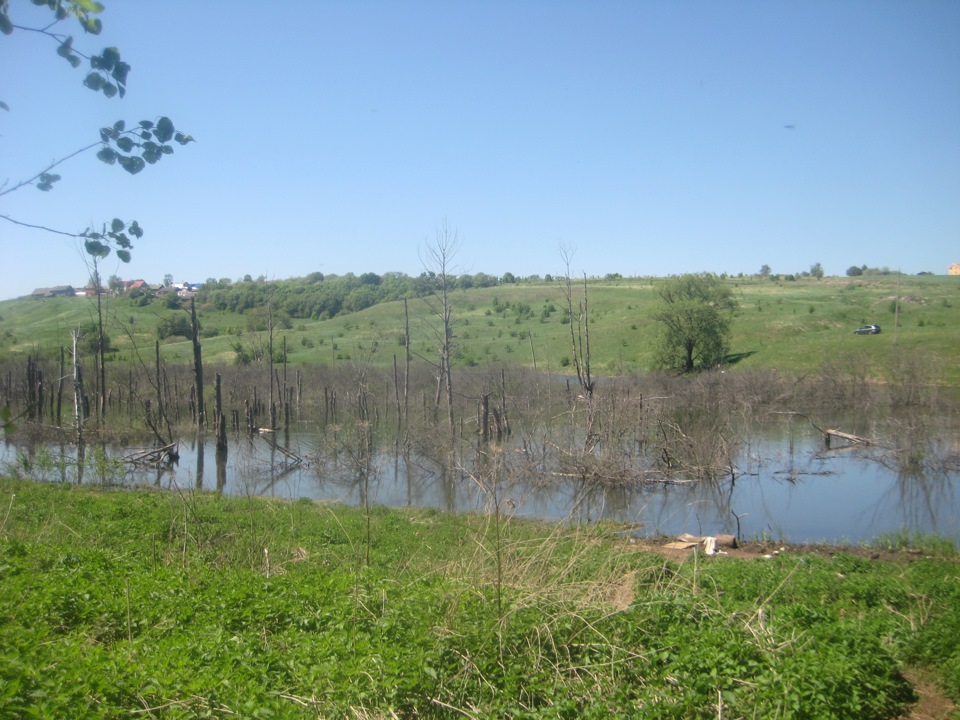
x=651 y=138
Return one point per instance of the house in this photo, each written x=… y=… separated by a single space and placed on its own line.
x=954 y=269
x=186 y=289
x=58 y=291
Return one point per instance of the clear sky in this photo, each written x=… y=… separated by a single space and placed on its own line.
x=651 y=138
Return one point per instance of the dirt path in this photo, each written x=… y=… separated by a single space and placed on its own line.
x=932 y=705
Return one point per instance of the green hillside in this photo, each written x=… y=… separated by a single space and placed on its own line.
x=793 y=326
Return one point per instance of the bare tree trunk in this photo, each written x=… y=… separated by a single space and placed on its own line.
x=219 y=421
x=77 y=392
x=60 y=388
x=197 y=363
x=440 y=256
x=101 y=348
x=580 y=345
x=485 y=418
x=579 y=330
x=220 y=425
x=162 y=419
x=273 y=407
x=396 y=394
x=406 y=363
x=587 y=380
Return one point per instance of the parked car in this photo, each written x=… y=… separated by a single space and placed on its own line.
x=867 y=330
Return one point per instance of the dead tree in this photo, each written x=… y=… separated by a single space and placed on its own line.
x=77 y=391
x=197 y=363
x=439 y=261
x=578 y=320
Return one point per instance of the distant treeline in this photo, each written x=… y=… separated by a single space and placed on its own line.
x=321 y=297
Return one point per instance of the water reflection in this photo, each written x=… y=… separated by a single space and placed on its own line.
x=787 y=488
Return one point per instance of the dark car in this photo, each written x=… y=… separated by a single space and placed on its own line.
x=867 y=330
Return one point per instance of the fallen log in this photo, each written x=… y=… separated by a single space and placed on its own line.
x=154 y=456
x=289 y=454
x=855 y=439
x=710 y=542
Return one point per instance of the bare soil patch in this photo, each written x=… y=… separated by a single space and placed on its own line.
x=764 y=550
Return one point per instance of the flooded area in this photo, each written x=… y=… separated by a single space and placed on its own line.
x=785 y=487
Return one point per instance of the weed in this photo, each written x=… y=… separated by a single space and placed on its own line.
x=923 y=542
x=371 y=612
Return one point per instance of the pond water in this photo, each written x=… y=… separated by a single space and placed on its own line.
x=788 y=488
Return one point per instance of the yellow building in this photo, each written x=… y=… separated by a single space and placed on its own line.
x=954 y=269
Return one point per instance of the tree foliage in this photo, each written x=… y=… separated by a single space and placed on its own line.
x=694 y=313
x=320 y=297
x=132 y=149
x=175 y=326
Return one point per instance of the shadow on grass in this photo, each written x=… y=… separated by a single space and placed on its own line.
x=734 y=358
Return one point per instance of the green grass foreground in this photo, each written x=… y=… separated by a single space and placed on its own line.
x=151 y=604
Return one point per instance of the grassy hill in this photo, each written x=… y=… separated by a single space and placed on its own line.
x=794 y=326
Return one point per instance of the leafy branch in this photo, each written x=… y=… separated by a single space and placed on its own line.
x=97 y=244
x=132 y=149
x=108 y=73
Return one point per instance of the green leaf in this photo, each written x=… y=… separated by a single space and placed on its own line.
x=124 y=255
x=97 y=249
x=93 y=81
x=6 y=27
x=109 y=89
x=107 y=134
x=4 y=106
x=132 y=165
x=109 y=58
x=125 y=144
x=164 y=130
x=183 y=139
x=119 y=126
x=107 y=155
x=66 y=47
x=151 y=156
x=46 y=181
x=136 y=230
x=120 y=72
x=92 y=25
x=74 y=61
x=116 y=225
x=146 y=124
x=90 y=6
